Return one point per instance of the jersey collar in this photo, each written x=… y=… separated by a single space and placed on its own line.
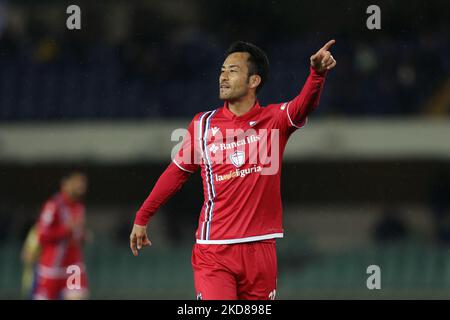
x=66 y=199
x=249 y=115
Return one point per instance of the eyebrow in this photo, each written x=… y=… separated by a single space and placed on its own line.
x=232 y=66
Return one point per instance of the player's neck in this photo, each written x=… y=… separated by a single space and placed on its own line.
x=68 y=196
x=242 y=105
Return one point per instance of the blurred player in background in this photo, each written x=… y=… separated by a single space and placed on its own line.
x=61 y=232
x=235 y=252
x=30 y=255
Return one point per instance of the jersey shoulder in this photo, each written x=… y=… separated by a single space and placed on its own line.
x=275 y=107
x=49 y=212
x=52 y=205
x=275 y=110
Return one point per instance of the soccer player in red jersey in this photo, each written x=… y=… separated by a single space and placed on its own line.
x=238 y=149
x=60 y=272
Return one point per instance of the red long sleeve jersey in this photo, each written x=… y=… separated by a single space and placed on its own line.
x=60 y=246
x=240 y=162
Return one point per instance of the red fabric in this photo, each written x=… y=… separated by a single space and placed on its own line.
x=308 y=99
x=53 y=289
x=241 y=184
x=244 y=271
x=60 y=246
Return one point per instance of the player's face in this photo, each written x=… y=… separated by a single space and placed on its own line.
x=234 y=79
x=77 y=186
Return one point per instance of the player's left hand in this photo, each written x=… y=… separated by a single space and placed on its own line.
x=323 y=60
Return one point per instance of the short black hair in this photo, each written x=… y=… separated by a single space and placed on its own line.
x=258 y=63
x=72 y=174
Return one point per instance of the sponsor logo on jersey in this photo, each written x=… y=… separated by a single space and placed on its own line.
x=261 y=147
x=272 y=294
x=241 y=173
x=232 y=145
x=213 y=148
x=214 y=130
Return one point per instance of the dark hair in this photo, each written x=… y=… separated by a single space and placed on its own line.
x=72 y=174
x=258 y=63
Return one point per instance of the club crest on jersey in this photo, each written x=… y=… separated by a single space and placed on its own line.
x=237 y=158
x=252 y=123
x=214 y=130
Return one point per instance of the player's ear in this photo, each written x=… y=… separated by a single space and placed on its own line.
x=254 y=81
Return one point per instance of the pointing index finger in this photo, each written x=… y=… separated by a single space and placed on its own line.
x=328 y=44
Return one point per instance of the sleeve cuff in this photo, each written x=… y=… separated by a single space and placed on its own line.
x=140 y=221
x=316 y=74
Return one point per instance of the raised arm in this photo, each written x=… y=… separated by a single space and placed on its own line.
x=302 y=105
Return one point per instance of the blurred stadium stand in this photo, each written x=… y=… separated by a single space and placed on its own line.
x=366 y=182
x=98 y=72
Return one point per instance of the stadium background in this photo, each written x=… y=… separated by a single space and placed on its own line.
x=366 y=182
